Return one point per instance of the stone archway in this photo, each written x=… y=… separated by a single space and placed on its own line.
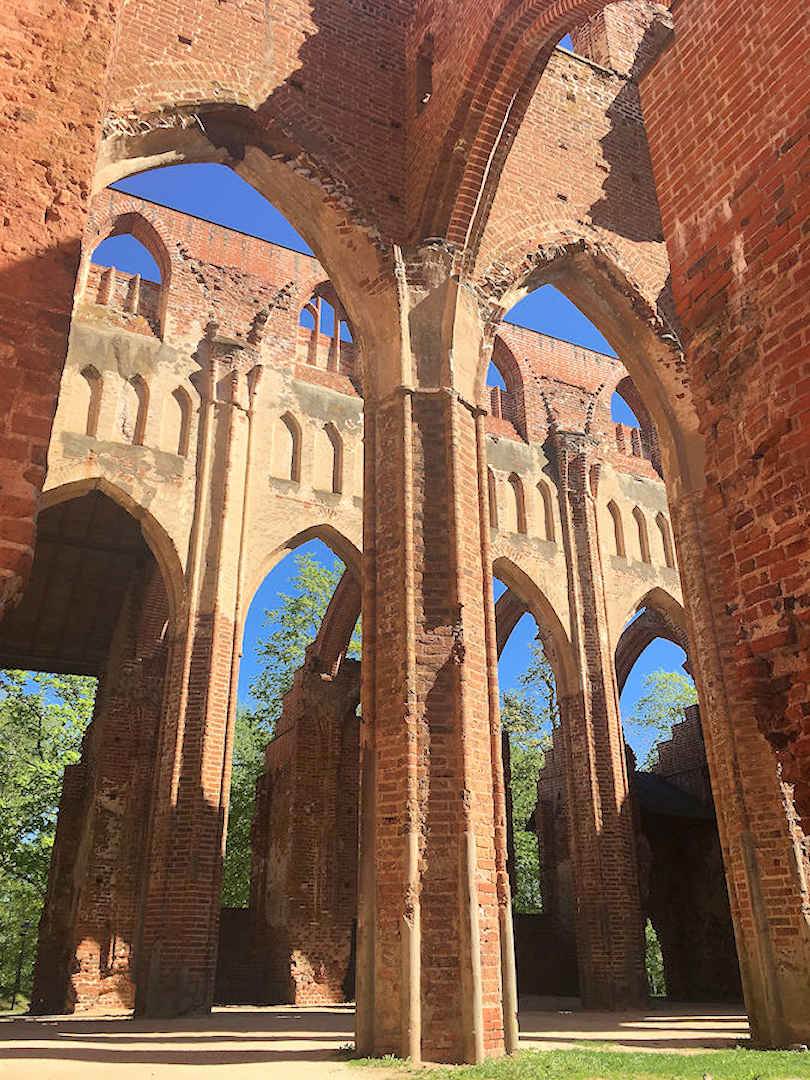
x=102 y=601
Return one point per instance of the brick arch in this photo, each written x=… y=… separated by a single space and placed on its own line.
x=666 y=604
x=502 y=78
x=339 y=620
x=627 y=389
x=157 y=538
x=323 y=289
x=628 y=312
x=530 y=597
x=339 y=544
x=652 y=623
x=145 y=228
x=514 y=401
x=343 y=611
x=661 y=616
x=136 y=223
x=312 y=200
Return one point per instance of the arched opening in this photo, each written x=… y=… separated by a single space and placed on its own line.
x=517 y=515
x=643 y=550
x=289 y=882
x=505 y=390
x=177 y=422
x=547 y=507
x=618 y=530
x=128 y=272
x=329 y=343
x=98 y=611
x=492 y=492
x=690 y=950
x=124 y=253
x=666 y=540
x=94 y=388
x=533 y=666
x=577 y=369
x=328 y=459
x=634 y=429
x=286 y=463
x=134 y=410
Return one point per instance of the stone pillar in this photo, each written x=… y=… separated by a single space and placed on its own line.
x=303 y=895
x=433 y=841
x=610 y=944
x=88 y=925
x=177 y=948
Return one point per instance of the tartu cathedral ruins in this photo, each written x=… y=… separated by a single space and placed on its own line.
x=163 y=445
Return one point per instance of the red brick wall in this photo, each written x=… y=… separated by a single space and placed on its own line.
x=617 y=37
x=730 y=161
x=303 y=896
x=326 y=74
x=87 y=934
x=579 y=167
x=52 y=85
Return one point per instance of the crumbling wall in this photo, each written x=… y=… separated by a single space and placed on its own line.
x=88 y=931
x=686 y=895
x=683 y=886
x=303 y=897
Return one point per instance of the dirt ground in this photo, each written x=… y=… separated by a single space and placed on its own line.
x=289 y=1043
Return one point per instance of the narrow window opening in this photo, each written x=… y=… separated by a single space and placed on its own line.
x=424 y=73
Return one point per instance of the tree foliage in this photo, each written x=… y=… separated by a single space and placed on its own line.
x=290 y=628
x=654 y=962
x=528 y=714
x=42 y=721
x=667 y=695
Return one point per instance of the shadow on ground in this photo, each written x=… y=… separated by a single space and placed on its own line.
x=305 y=1036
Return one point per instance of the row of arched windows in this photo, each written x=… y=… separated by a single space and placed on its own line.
x=131 y=404
x=509 y=513
x=327 y=458
x=642 y=533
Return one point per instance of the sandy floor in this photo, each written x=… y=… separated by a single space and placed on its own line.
x=284 y=1042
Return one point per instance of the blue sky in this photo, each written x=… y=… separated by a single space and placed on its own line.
x=217 y=194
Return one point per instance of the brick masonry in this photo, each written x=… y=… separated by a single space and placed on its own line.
x=433 y=203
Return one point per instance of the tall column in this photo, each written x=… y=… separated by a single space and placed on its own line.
x=610 y=945
x=176 y=955
x=429 y=980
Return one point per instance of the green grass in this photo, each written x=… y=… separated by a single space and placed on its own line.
x=620 y=1065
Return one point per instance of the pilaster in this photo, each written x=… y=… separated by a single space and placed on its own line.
x=610 y=945
x=430 y=978
x=177 y=948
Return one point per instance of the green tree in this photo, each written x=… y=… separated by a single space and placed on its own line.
x=291 y=627
x=528 y=714
x=667 y=694
x=42 y=721
x=655 y=962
